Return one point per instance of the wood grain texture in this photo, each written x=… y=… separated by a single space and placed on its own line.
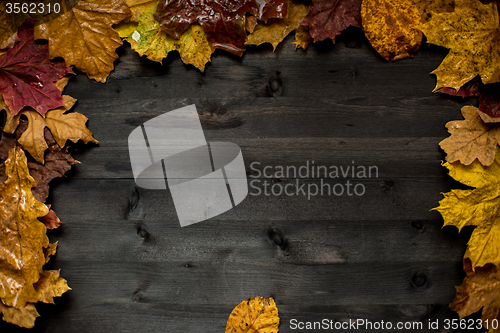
x=381 y=256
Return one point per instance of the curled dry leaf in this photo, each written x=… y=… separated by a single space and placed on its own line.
x=146 y=38
x=250 y=23
x=479 y=207
x=275 y=30
x=84 y=37
x=472 y=33
x=327 y=19
x=223 y=21
x=257 y=315
x=479 y=289
x=50 y=220
x=471 y=139
x=27 y=76
x=302 y=37
x=390 y=26
x=489 y=98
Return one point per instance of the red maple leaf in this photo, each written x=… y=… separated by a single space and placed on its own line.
x=222 y=20
x=328 y=18
x=489 y=95
x=27 y=75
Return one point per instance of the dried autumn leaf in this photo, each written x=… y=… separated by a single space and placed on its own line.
x=194 y=47
x=9 y=23
x=479 y=207
x=21 y=248
x=250 y=23
x=327 y=19
x=27 y=75
x=472 y=34
x=275 y=30
x=257 y=314
x=50 y=285
x=471 y=139
x=84 y=37
x=302 y=37
x=147 y=39
x=479 y=290
x=50 y=220
x=57 y=162
x=24 y=317
x=390 y=26
x=63 y=126
x=489 y=98
x=222 y=21
x=50 y=251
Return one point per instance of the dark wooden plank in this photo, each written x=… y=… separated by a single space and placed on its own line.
x=387 y=200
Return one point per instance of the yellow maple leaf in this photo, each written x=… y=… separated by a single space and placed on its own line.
x=275 y=30
x=479 y=207
x=50 y=285
x=472 y=34
x=257 y=315
x=480 y=289
x=63 y=126
x=391 y=27
x=24 y=317
x=146 y=38
x=21 y=248
x=471 y=139
x=84 y=37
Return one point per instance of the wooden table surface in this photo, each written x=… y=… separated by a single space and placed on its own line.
x=380 y=256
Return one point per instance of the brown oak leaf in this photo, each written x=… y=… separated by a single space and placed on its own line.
x=84 y=37
x=327 y=18
x=27 y=75
x=223 y=21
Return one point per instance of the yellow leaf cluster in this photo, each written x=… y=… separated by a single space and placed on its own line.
x=146 y=38
x=84 y=36
x=479 y=207
x=275 y=30
x=22 y=279
x=63 y=126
